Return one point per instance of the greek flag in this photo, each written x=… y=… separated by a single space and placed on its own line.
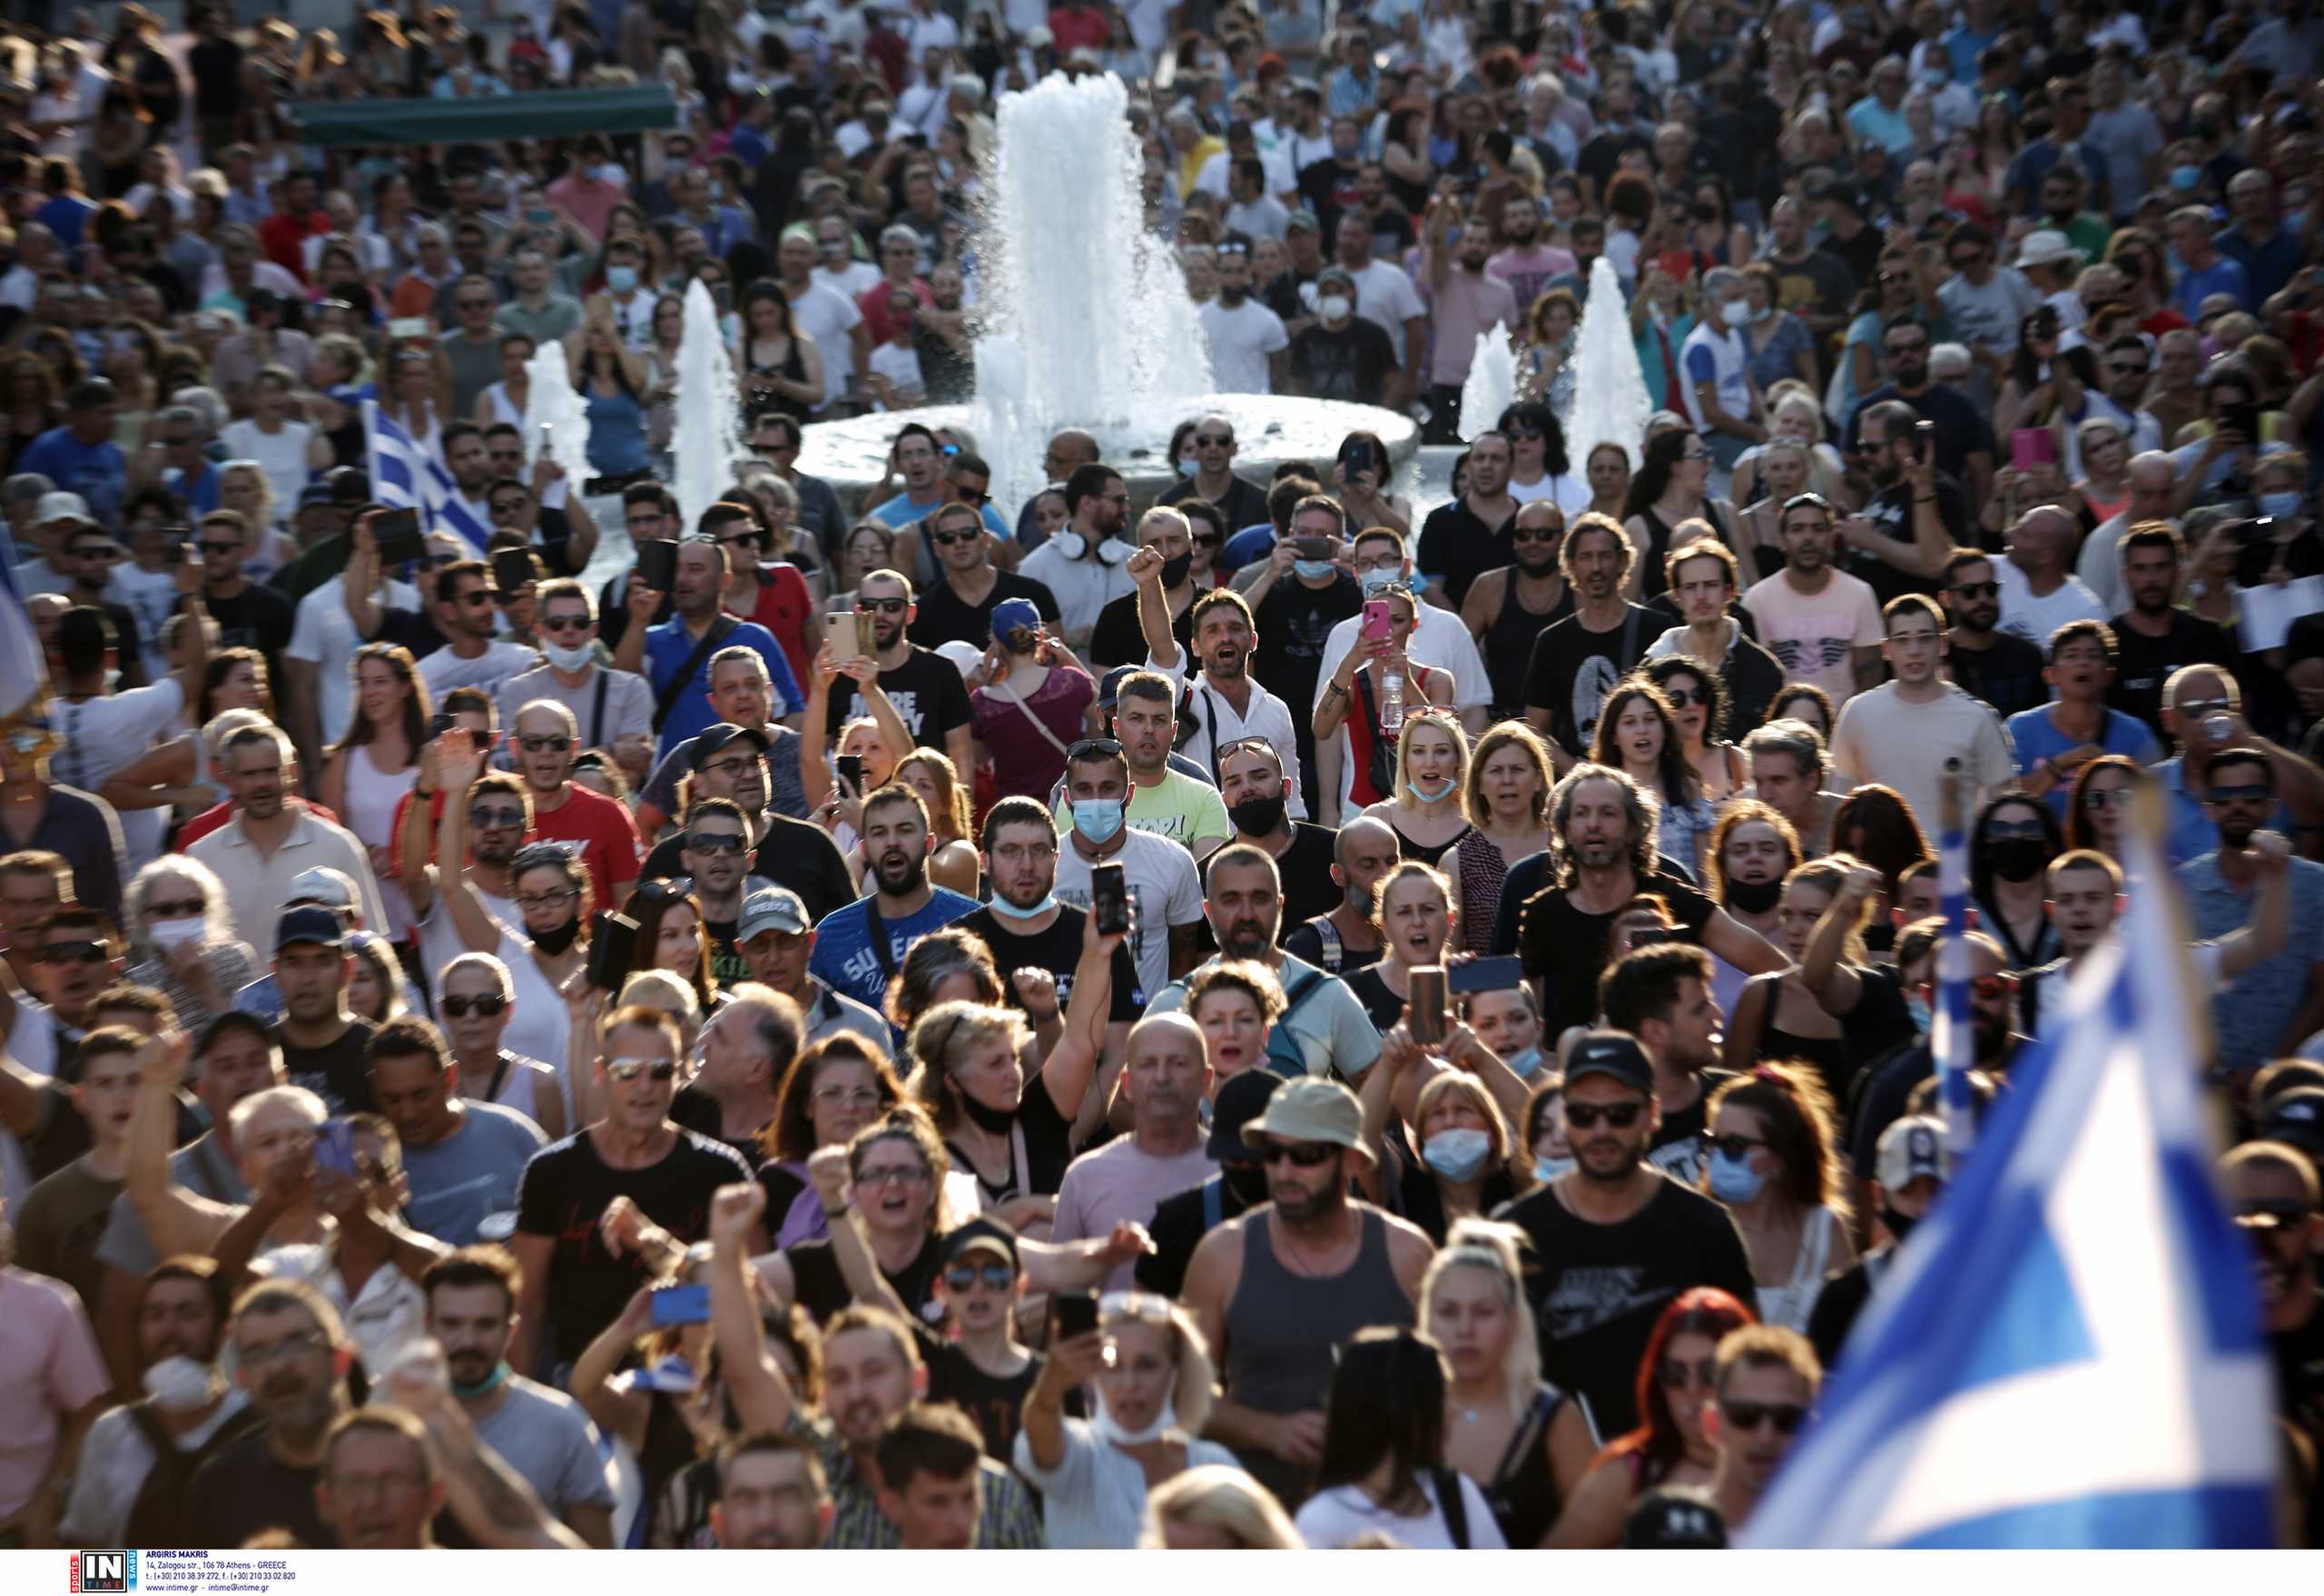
x=2068 y=1353
x=404 y=475
x=1952 y=1039
x=24 y=670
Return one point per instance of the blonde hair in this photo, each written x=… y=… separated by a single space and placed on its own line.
x=941 y=1037
x=1444 y=720
x=1247 y=976
x=948 y=817
x=1457 y=1084
x=1827 y=875
x=1219 y=1497
x=1482 y=1244
x=1401 y=873
x=1196 y=1379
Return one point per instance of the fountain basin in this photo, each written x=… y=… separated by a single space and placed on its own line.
x=851 y=454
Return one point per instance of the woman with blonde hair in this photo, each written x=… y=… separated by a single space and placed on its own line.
x=1411 y=909
x=1507 y=796
x=1151 y=1370
x=1524 y=1443
x=1793 y=417
x=1213 y=1508
x=952 y=862
x=1775 y=1165
x=1467 y=1155
x=1371 y=755
x=1432 y=767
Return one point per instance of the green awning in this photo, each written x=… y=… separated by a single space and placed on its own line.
x=493 y=119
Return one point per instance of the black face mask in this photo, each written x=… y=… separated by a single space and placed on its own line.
x=1175 y=571
x=1704 y=212
x=2018 y=859
x=559 y=939
x=1754 y=897
x=1256 y=817
x=997 y=1121
x=1899 y=1226
x=1248 y=1182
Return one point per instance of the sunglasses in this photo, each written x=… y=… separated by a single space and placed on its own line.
x=1211 y=440
x=74 y=953
x=2245 y=793
x=1676 y=1375
x=1731 y=1146
x=1207 y=540
x=901 y=1174
x=947 y=539
x=544 y=743
x=628 y=1070
x=566 y=623
x=1682 y=697
x=1094 y=747
x=716 y=843
x=2133 y=368
x=1621 y=1116
x=1304 y=1155
x=884 y=607
x=1750 y=1415
x=1979 y=590
x=219 y=550
x=1907 y=349
x=508 y=506
x=991 y=1277
x=1535 y=535
x=495 y=819
x=176 y=910
x=973 y=496
x=486 y=1006
x=475 y=597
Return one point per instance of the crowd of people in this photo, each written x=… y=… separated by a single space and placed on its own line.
x=1297 y=1014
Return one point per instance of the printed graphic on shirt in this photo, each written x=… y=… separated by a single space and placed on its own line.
x=1809 y=656
x=1585 y=1299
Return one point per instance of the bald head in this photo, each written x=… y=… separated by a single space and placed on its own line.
x=2038 y=543
x=1068 y=448
x=2153 y=469
x=1166 y=1071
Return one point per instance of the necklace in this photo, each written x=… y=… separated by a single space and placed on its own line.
x=1303 y=1265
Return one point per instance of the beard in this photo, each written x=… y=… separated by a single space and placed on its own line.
x=1537 y=567
x=899 y=875
x=1244 y=939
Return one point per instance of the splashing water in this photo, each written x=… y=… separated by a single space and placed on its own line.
x=1087 y=318
x=1611 y=403
x=1492 y=385
x=556 y=418
x=707 y=440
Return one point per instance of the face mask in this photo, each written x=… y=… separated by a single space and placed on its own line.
x=1097 y=819
x=2018 y=859
x=1189 y=468
x=2279 y=505
x=1002 y=906
x=1335 y=307
x=1175 y=570
x=621 y=279
x=1523 y=1065
x=1735 y=312
x=997 y=1121
x=1375 y=582
x=485 y=1386
x=180 y=1384
x=558 y=940
x=1249 y=1185
x=176 y=934
x=1256 y=817
x=1548 y=1170
x=1917 y=1007
x=569 y=659
x=1754 y=897
x=2186 y=177
x=1432 y=797
x=1311 y=570
x=1457 y=1155
x=1109 y=1426
x=1734 y=1180
x=1900 y=1226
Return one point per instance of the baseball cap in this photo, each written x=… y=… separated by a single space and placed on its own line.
x=981 y=1234
x=1310 y=1108
x=307 y=923
x=322 y=884
x=1241 y=1099
x=61 y=507
x=1674 y=1521
x=1614 y=1053
x=1011 y=614
x=1302 y=221
x=771 y=909
x=1110 y=687
x=1910 y=1148
x=708 y=744
x=315 y=493
x=2296 y=1117
x=349 y=484
x=1331 y=274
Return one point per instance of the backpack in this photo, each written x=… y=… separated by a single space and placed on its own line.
x=158 y=1517
x=1283 y=1056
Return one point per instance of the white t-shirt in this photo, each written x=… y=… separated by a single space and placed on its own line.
x=2034 y=619
x=282 y=455
x=440 y=944
x=501 y=659
x=848 y=283
x=1330 y=1520
x=102 y=737
x=1082 y=587
x=1165 y=891
x=1385 y=296
x=324 y=636
x=1241 y=339
x=828 y=316
x=1571 y=492
x=1883 y=737
x=900 y=368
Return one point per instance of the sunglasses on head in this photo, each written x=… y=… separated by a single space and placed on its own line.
x=1621 y=1116
x=1094 y=747
x=486 y=1006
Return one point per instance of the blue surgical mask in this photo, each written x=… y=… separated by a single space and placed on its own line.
x=2186 y=177
x=1733 y=1181
x=1457 y=1155
x=2279 y=505
x=1449 y=788
x=621 y=279
x=1525 y=1063
x=1916 y=1009
x=1548 y=1170
x=1375 y=582
x=1189 y=468
x=1311 y=569
x=1002 y=906
x=1097 y=819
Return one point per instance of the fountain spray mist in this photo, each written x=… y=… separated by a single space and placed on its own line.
x=1087 y=318
x=708 y=439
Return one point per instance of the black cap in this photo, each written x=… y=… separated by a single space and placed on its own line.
x=1614 y=1053
x=1674 y=1521
x=309 y=923
x=1242 y=1099
x=1110 y=687
x=2296 y=1117
x=708 y=744
x=983 y=1231
x=348 y=484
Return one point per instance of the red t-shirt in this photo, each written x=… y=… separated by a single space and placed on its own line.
x=604 y=828
x=210 y=819
x=784 y=609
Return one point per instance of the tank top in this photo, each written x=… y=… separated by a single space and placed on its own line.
x=503 y=409
x=372 y=799
x=1652 y=581
x=790 y=368
x=510 y=1085
x=1281 y=1328
x=1523 y=1492
x=1508 y=646
x=617 y=435
x=1787 y=1305
x=1429 y=852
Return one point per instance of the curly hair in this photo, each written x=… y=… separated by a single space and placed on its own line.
x=1247 y=976
x=931 y=961
x=1644 y=816
x=1742 y=811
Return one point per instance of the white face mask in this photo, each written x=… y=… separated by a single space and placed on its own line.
x=181 y=1385
x=1164 y=1421
x=176 y=933
x=1735 y=312
x=569 y=659
x=1335 y=307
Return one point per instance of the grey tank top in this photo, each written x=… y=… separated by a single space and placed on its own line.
x=1281 y=1328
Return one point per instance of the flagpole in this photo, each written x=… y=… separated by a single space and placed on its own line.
x=1951 y=1037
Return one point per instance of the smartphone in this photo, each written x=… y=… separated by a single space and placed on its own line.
x=1356 y=456
x=612 y=947
x=1485 y=975
x=175 y=551
x=1110 y=899
x=681 y=1305
x=843 y=632
x=657 y=563
x=2243 y=418
x=335 y=1145
x=396 y=536
x=1075 y=1313
x=1429 y=1022
x=409 y=327
x=849 y=767
x=441 y=723
x=1926 y=431
x=540 y=216
x=2030 y=447
x=512 y=568
x=1375 y=628
x=1312 y=548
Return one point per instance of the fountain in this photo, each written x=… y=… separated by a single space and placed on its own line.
x=706 y=441
x=1087 y=322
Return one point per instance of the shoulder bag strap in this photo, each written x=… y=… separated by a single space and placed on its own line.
x=1214 y=1202
x=667 y=698
x=1454 y=1506
x=876 y=929
x=1006 y=694
x=597 y=709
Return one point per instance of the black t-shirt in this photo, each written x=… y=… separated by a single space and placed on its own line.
x=1457 y=546
x=792 y=853
x=1352 y=364
x=566 y=1188
x=1048 y=1147
x=1118 y=639
x=1528 y=876
x=1880 y=1096
x=698 y=1111
x=1245 y=505
x=1371 y=989
x=1677 y=1147
x=1304 y=943
x=412 y=631
x=1598 y=159
x=996 y=1404
x=1960 y=431
x=257 y=617
x=1567 y=948
x=1178 y=1227
x=1329 y=188
x=1598 y=1289
x=944 y=618
x=822 y=1291
x=335 y=1071
x=1058 y=951
x=1574 y=669
x=245 y=1490
x=1891 y=510
x=1878 y=1025
x=2142 y=663
x=1836 y=1307
x=1306 y=868
x=926 y=690
x=1282 y=295
x=2008 y=676
x=1295 y=621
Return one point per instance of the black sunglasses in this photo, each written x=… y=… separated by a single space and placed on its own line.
x=486 y=1006
x=1621 y=1116
x=74 y=953
x=1731 y=1146
x=949 y=539
x=1979 y=590
x=1094 y=747
x=1787 y=1417
x=177 y=908
x=992 y=1277
x=1304 y=1155
x=886 y=607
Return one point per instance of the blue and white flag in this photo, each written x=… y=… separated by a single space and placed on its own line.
x=1951 y=1036
x=2068 y=1353
x=404 y=475
x=24 y=669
